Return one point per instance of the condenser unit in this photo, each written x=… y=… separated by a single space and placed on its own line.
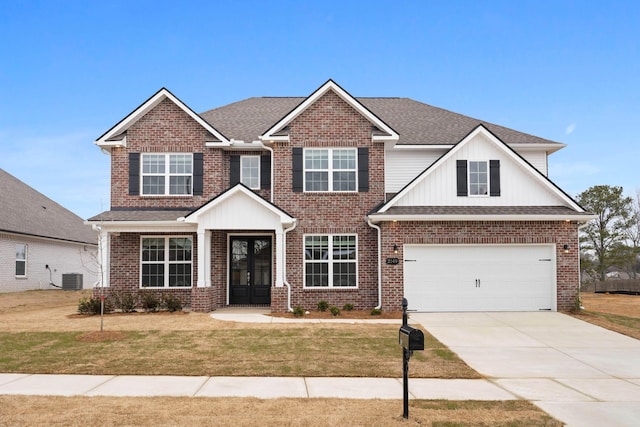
x=72 y=282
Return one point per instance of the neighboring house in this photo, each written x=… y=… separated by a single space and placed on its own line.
x=40 y=241
x=285 y=202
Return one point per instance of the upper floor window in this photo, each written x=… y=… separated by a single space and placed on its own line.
x=330 y=261
x=330 y=169
x=478 y=178
x=166 y=262
x=21 y=260
x=167 y=174
x=250 y=171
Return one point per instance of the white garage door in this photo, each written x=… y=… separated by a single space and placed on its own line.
x=480 y=278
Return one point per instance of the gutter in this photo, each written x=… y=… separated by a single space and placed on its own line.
x=372 y=225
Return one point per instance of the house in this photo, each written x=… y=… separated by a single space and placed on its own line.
x=40 y=241
x=284 y=202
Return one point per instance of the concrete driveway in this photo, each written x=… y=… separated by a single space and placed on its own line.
x=579 y=373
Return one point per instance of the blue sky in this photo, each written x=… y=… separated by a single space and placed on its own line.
x=562 y=70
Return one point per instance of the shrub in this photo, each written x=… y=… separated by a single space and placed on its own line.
x=334 y=310
x=323 y=305
x=150 y=302
x=92 y=306
x=348 y=307
x=376 y=312
x=298 y=311
x=125 y=301
x=172 y=302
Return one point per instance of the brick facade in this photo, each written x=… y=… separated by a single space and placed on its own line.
x=329 y=122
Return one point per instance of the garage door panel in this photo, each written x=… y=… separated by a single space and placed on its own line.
x=479 y=278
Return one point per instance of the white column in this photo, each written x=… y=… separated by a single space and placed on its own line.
x=207 y=258
x=202 y=257
x=104 y=257
x=279 y=257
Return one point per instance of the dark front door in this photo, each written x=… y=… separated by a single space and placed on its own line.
x=250 y=278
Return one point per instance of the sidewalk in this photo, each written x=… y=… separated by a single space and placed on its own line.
x=259 y=387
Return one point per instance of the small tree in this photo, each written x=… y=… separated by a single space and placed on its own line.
x=608 y=230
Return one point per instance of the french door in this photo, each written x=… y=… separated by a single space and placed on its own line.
x=250 y=270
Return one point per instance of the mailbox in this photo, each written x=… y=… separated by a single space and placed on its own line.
x=411 y=338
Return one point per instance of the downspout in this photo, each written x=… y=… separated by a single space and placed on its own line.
x=372 y=225
x=284 y=263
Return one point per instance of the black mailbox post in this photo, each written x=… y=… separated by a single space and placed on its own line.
x=410 y=339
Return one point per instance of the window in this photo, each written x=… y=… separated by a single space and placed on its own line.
x=330 y=261
x=167 y=174
x=330 y=169
x=250 y=171
x=21 y=260
x=478 y=179
x=474 y=178
x=166 y=262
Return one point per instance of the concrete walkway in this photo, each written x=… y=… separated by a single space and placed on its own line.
x=260 y=387
x=579 y=373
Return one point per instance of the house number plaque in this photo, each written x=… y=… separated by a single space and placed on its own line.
x=393 y=261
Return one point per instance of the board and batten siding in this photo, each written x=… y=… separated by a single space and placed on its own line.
x=519 y=186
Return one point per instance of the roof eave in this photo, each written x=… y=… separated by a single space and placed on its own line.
x=376 y=218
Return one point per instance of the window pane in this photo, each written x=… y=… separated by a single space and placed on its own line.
x=344 y=247
x=317 y=181
x=344 y=274
x=153 y=249
x=180 y=185
x=344 y=159
x=179 y=275
x=478 y=178
x=344 y=181
x=180 y=163
x=21 y=268
x=316 y=159
x=180 y=249
x=316 y=247
x=153 y=163
x=152 y=275
x=153 y=185
x=317 y=274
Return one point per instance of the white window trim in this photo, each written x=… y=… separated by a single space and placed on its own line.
x=330 y=261
x=166 y=261
x=167 y=175
x=26 y=256
x=242 y=158
x=329 y=170
x=488 y=193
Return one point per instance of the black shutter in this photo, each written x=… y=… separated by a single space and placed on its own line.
x=265 y=172
x=363 y=169
x=494 y=178
x=461 y=175
x=198 y=173
x=234 y=170
x=134 y=174
x=297 y=169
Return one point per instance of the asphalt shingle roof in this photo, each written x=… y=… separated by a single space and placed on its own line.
x=24 y=210
x=416 y=122
x=140 y=215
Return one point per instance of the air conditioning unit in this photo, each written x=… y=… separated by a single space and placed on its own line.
x=72 y=282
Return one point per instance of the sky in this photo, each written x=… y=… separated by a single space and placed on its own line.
x=568 y=71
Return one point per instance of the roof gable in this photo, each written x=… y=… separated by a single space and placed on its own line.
x=237 y=207
x=116 y=136
x=384 y=133
x=436 y=185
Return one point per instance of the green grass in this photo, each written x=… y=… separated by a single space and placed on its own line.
x=351 y=351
